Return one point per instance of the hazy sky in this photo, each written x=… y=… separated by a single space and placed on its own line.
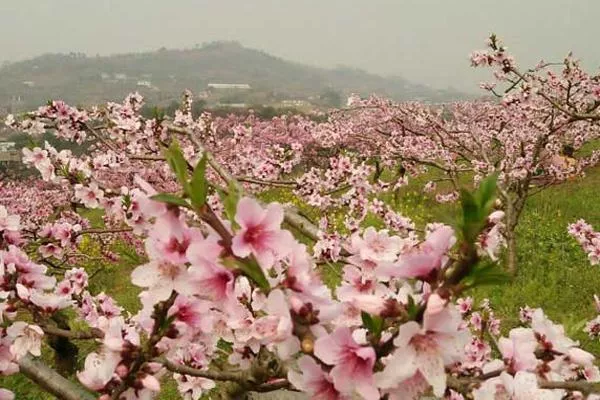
x=426 y=41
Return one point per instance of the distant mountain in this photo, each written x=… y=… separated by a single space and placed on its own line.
x=162 y=75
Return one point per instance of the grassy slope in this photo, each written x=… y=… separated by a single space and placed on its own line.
x=553 y=271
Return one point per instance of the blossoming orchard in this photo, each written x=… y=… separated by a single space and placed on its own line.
x=240 y=295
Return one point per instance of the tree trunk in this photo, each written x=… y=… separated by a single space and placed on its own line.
x=511 y=252
x=511 y=221
x=514 y=208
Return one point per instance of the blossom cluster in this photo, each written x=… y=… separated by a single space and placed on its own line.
x=228 y=293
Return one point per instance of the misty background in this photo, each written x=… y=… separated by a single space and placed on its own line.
x=425 y=41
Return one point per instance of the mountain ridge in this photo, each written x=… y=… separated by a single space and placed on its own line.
x=163 y=74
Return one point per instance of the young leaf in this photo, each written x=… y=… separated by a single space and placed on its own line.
x=198 y=183
x=486 y=193
x=476 y=207
x=230 y=200
x=252 y=270
x=170 y=199
x=412 y=309
x=373 y=323
x=489 y=273
x=177 y=163
x=471 y=216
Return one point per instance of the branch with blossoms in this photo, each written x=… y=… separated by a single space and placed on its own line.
x=530 y=137
x=239 y=278
x=588 y=238
x=228 y=294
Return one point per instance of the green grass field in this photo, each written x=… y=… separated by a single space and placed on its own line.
x=553 y=270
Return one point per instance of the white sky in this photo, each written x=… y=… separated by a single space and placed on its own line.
x=426 y=41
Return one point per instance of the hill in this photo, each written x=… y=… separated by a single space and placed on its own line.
x=162 y=75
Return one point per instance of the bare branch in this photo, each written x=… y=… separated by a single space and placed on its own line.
x=248 y=179
x=51 y=381
x=242 y=377
x=584 y=387
x=75 y=335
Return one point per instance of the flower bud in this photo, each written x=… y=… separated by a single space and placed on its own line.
x=308 y=345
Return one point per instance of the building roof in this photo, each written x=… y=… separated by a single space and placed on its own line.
x=229 y=86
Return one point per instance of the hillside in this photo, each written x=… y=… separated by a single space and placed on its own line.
x=162 y=75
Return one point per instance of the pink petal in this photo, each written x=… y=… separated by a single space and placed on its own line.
x=249 y=213
x=239 y=246
x=145 y=275
x=329 y=348
x=273 y=217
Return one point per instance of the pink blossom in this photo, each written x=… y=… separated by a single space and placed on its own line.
x=464 y=304
x=209 y=278
x=50 y=250
x=352 y=363
x=89 y=196
x=192 y=312
x=314 y=381
x=523 y=386
x=260 y=232
x=275 y=329
x=192 y=387
x=427 y=349
x=161 y=278
x=377 y=246
x=430 y=257
x=150 y=382
x=549 y=334
x=169 y=239
x=8 y=365
x=518 y=350
x=98 y=369
x=8 y=222
x=50 y=302
x=411 y=388
x=26 y=339
x=36 y=156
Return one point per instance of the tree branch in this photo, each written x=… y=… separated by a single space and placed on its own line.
x=291 y=217
x=74 y=335
x=51 y=381
x=242 y=377
x=584 y=387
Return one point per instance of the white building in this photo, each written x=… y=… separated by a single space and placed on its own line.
x=229 y=86
x=295 y=103
x=232 y=105
x=6 y=146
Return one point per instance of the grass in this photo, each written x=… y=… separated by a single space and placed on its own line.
x=553 y=270
x=554 y=273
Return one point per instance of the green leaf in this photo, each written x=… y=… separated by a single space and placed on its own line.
x=373 y=323
x=486 y=193
x=198 y=183
x=170 y=199
x=177 y=163
x=477 y=206
x=230 y=200
x=412 y=309
x=252 y=270
x=489 y=273
x=471 y=218
x=576 y=327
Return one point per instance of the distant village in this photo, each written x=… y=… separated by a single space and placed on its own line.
x=214 y=94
